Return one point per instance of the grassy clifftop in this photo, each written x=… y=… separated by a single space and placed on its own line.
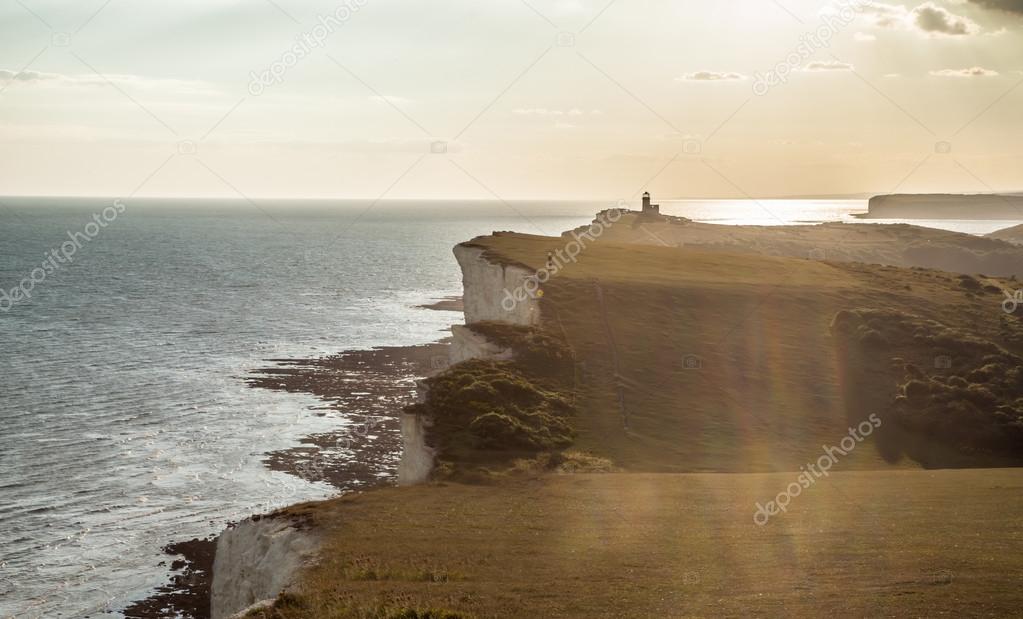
x=691 y=360
x=891 y=244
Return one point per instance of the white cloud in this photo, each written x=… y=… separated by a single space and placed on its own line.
x=710 y=76
x=133 y=82
x=25 y=76
x=863 y=37
x=828 y=65
x=971 y=72
x=542 y=111
x=886 y=15
x=927 y=19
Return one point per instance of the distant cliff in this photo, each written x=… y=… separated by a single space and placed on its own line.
x=1013 y=235
x=946 y=206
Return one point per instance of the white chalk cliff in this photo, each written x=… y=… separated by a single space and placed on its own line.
x=417 y=457
x=486 y=286
x=467 y=344
x=256 y=560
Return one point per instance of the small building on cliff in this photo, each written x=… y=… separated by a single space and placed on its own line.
x=650 y=209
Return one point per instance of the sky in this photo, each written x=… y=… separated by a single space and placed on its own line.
x=509 y=99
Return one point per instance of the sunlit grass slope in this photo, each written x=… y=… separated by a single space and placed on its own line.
x=858 y=544
x=727 y=362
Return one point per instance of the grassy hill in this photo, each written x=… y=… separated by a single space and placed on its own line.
x=703 y=380
x=1012 y=234
x=864 y=544
x=727 y=362
x=896 y=245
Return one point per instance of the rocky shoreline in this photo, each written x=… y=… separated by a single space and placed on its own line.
x=366 y=388
x=188 y=592
x=370 y=387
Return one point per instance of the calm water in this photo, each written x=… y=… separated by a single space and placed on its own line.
x=126 y=423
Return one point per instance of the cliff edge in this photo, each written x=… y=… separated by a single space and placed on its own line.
x=946 y=206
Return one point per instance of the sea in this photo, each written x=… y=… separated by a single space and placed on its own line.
x=128 y=327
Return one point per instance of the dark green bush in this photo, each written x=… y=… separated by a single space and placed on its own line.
x=978 y=410
x=485 y=410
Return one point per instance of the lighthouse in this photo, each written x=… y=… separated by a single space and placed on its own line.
x=650 y=209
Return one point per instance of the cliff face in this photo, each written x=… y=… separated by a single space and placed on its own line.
x=255 y=561
x=489 y=293
x=417 y=458
x=495 y=292
x=468 y=344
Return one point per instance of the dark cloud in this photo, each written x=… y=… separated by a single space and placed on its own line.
x=934 y=19
x=1011 y=6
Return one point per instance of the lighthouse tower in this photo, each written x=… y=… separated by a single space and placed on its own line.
x=650 y=209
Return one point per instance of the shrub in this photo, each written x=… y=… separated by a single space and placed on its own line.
x=968 y=282
x=977 y=411
x=538 y=353
x=490 y=411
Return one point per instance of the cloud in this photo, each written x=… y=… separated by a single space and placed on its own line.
x=863 y=37
x=933 y=19
x=135 y=82
x=886 y=15
x=542 y=111
x=1010 y=6
x=928 y=19
x=971 y=72
x=710 y=76
x=828 y=65
x=391 y=99
x=25 y=76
